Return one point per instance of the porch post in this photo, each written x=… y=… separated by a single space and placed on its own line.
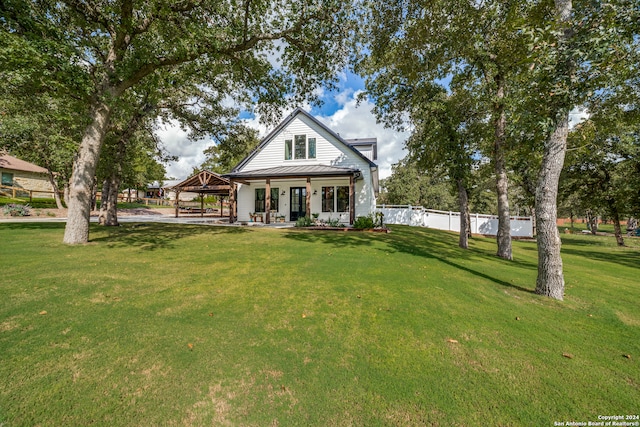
x=232 y=201
x=352 y=205
x=267 y=201
x=177 y=203
x=308 y=197
x=202 y=205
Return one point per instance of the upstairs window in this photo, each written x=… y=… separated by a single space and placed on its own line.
x=312 y=148
x=300 y=148
x=288 y=149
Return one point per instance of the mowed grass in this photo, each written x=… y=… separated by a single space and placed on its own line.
x=153 y=324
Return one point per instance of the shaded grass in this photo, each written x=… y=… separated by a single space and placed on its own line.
x=159 y=324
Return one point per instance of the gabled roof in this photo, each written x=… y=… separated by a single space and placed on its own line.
x=283 y=125
x=10 y=162
x=204 y=182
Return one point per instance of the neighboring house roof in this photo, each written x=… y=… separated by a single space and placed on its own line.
x=283 y=125
x=293 y=171
x=10 y=162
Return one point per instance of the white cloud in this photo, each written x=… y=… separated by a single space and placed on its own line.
x=190 y=153
x=577 y=115
x=355 y=120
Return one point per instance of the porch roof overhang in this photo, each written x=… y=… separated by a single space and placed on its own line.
x=294 y=172
x=204 y=182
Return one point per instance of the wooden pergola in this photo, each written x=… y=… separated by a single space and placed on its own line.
x=205 y=183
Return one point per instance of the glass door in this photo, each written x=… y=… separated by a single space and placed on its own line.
x=298 y=198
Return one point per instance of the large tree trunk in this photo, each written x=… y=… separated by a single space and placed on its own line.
x=504 y=221
x=465 y=223
x=82 y=177
x=111 y=210
x=615 y=215
x=550 y=280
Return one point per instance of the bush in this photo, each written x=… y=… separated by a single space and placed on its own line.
x=334 y=222
x=16 y=210
x=363 y=222
x=304 y=221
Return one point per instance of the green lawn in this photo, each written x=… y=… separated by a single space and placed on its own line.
x=193 y=325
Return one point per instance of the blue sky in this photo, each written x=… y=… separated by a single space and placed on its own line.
x=339 y=111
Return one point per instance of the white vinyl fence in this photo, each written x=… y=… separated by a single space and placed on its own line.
x=418 y=216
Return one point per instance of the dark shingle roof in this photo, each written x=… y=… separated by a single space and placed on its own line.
x=294 y=171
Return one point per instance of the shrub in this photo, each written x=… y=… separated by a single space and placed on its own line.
x=334 y=222
x=304 y=221
x=16 y=210
x=363 y=222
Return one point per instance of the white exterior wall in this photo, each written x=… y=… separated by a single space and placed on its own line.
x=329 y=152
x=246 y=197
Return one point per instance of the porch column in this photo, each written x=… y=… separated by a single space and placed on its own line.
x=267 y=201
x=308 y=197
x=202 y=205
x=352 y=205
x=177 y=203
x=232 y=201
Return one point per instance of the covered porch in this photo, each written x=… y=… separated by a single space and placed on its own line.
x=204 y=183
x=287 y=193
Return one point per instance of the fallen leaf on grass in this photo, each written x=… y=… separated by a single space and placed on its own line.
x=567 y=355
x=451 y=340
x=42 y=313
x=304 y=315
x=210 y=314
x=190 y=346
x=628 y=356
x=517 y=318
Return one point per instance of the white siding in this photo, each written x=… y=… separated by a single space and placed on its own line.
x=329 y=151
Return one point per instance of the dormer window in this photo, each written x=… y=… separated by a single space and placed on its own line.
x=300 y=147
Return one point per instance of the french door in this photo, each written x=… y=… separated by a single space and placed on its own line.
x=298 y=202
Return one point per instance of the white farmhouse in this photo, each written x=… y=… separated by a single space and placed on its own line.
x=302 y=168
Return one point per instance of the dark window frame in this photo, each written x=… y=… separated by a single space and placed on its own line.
x=328 y=199
x=288 y=149
x=342 y=200
x=260 y=200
